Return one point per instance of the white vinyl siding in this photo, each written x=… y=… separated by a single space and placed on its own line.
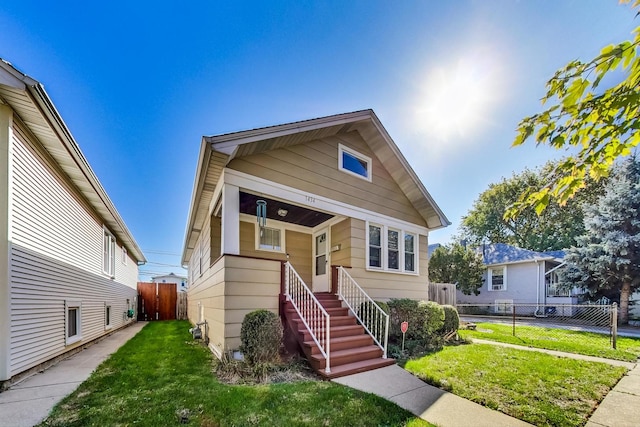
x=56 y=255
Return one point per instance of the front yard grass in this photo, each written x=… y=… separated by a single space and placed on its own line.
x=538 y=388
x=161 y=377
x=587 y=343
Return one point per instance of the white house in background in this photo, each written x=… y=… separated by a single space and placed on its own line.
x=181 y=281
x=68 y=263
x=520 y=276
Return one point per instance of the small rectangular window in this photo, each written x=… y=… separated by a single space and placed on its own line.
x=107 y=316
x=354 y=163
x=270 y=239
x=73 y=325
x=375 y=246
x=124 y=255
x=108 y=256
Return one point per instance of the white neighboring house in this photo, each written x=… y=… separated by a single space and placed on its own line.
x=181 y=281
x=68 y=263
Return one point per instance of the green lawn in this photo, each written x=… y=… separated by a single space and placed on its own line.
x=538 y=388
x=587 y=343
x=161 y=377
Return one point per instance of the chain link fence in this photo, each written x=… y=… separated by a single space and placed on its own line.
x=595 y=318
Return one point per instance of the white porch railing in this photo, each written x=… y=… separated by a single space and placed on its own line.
x=313 y=315
x=374 y=320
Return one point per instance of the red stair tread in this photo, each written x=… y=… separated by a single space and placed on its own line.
x=356 y=367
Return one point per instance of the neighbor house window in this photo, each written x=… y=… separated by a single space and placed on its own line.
x=109 y=253
x=73 y=325
x=107 y=316
x=391 y=249
x=354 y=163
x=498 y=278
x=124 y=256
x=269 y=239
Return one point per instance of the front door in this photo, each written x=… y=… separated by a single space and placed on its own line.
x=321 y=261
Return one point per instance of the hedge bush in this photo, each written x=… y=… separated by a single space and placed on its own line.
x=451 y=320
x=261 y=337
x=401 y=310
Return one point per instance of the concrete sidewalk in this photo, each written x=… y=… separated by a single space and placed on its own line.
x=429 y=403
x=620 y=407
x=29 y=401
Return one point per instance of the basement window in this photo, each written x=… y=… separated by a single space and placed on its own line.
x=73 y=322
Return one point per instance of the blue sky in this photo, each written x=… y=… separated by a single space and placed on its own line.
x=139 y=84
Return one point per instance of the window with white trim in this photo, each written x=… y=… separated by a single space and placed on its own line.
x=409 y=252
x=73 y=322
x=107 y=316
x=391 y=249
x=354 y=163
x=498 y=278
x=269 y=239
x=125 y=255
x=109 y=253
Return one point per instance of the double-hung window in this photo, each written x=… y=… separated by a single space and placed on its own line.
x=109 y=253
x=390 y=249
x=498 y=278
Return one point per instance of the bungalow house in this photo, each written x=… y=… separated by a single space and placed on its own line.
x=307 y=219
x=520 y=276
x=68 y=263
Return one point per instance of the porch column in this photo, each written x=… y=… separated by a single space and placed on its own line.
x=6 y=121
x=230 y=241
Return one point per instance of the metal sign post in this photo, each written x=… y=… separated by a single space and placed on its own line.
x=403 y=327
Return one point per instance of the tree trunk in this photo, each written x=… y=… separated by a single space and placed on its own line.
x=625 y=294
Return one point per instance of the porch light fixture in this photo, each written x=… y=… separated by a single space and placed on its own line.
x=282 y=212
x=261 y=213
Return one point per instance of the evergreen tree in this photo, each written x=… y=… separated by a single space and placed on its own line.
x=607 y=257
x=459 y=265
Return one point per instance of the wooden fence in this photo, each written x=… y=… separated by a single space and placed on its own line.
x=182 y=306
x=442 y=293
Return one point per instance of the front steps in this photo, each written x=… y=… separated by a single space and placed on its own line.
x=352 y=349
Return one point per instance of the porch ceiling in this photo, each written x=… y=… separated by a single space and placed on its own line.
x=294 y=214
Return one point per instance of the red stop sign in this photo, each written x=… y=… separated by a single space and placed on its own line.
x=404 y=326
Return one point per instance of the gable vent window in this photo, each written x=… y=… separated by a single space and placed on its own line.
x=354 y=163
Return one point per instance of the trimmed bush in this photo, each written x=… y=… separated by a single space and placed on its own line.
x=433 y=317
x=451 y=320
x=261 y=336
x=401 y=310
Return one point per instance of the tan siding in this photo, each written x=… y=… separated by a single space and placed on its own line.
x=341 y=235
x=313 y=167
x=40 y=286
x=231 y=288
x=216 y=238
x=300 y=254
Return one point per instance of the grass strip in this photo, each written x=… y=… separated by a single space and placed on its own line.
x=538 y=388
x=587 y=343
x=161 y=377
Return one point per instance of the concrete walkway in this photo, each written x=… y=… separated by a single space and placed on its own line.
x=427 y=402
x=29 y=401
x=618 y=409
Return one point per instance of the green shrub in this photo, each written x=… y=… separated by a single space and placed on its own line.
x=433 y=315
x=451 y=320
x=405 y=310
x=261 y=337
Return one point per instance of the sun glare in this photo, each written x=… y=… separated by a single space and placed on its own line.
x=456 y=98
